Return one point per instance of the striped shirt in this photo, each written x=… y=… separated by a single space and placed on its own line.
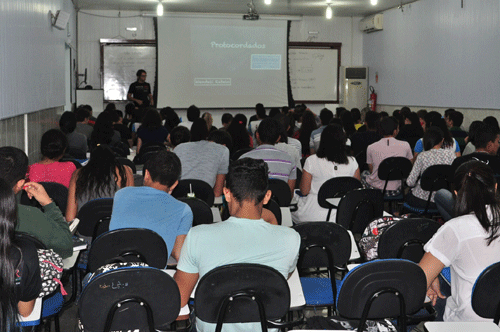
x=281 y=164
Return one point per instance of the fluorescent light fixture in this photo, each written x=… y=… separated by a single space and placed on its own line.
x=267 y=2
x=329 y=12
x=131 y=29
x=374 y=2
x=159 y=9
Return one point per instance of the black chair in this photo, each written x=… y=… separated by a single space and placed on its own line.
x=245 y=293
x=128 y=245
x=201 y=190
x=94 y=217
x=485 y=295
x=127 y=162
x=56 y=191
x=275 y=209
x=130 y=298
x=393 y=169
x=323 y=244
x=406 y=239
x=434 y=178
x=336 y=188
x=236 y=155
x=202 y=213
x=384 y=288
x=281 y=192
x=358 y=207
x=299 y=178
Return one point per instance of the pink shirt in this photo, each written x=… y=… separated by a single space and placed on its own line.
x=378 y=151
x=59 y=172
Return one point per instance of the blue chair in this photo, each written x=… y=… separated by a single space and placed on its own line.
x=485 y=296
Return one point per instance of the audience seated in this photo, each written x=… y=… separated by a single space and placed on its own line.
x=412 y=131
x=348 y=123
x=77 y=143
x=82 y=122
x=255 y=120
x=101 y=177
x=239 y=134
x=434 y=154
x=125 y=132
x=329 y=162
x=193 y=113
x=281 y=164
x=468 y=243
x=104 y=133
x=152 y=207
x=170 y=118
x=325 y=116
x=362 y=139
x=454 y=121
x=226 y=120
x=151 y=132
x=356 y=117
x=244 y=238
x=304 y=133
x=221 y=137
x=48 y=225
x=209 y=120
x=385 y=148
x=288 y=144
x=449 y=143
x=53 y=146
x=203 y=160
x=471 y=139
x=179 y=135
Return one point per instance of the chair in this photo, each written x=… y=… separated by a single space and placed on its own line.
x=201 y=190
x=323 y=244
x=336 y=188
x=128 y=245
x=129 y=298
x=406 y=239
x=485 y=299
x=275 y=209
x=433 y=178
x=202 y=213
x=392 y=169
x=385 y=288
x=245 y=293
x=358 y=207
x=94 y=217
x=56 y=191
x=236 y=155
x=127 y=162
x=281 y=192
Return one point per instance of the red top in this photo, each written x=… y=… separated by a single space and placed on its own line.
x=59 y=172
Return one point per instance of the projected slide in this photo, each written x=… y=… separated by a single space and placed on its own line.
x=221 y=63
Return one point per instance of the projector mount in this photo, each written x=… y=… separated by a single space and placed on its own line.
x=252 y=13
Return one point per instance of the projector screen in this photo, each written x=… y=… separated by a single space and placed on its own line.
x=221 y=62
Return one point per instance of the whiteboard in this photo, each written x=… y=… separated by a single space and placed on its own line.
x=314 y=74
x=120 y=64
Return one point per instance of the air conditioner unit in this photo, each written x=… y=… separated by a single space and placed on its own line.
x=353 y=87
x=372 y=23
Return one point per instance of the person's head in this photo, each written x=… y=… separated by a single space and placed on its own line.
x=171 y=118
x=405 y=111
x=348 y=123
x=247 y=181
x=284 y=122
x=431 y=117
x=332 y=144
x=448 y=112
x=53 y=144
x=110 y=107
x=285 y=110
x=260 y=110
x=474 y=128
x=151 y=120
x=421 y=115
x=475 y=187
x=339 y=111
x=141 y=75
x=371 y=119
x=298 y=112
x=269 y=131
x=163 y=168
x=193 y=113
x=98 y=177
x=493 y=123
x=399 y=118
x=273 y=112
x=103 y=130
x=388 y=127
x=356 y=115
x=13 y=167
x=412 y=119
x=130 y=110
x=67 y=122
x=226 y=119
x=199 y=130
x=383 y=114
x=178 y=135
x=208 y=120
x=88 y=108
x=113 y=116
x=82 y=115
x=486 y=139
x=119 y=114
x=325 y=116
x=455 y=119
x=241 y=119
x=433 y=138
x=441 y=123
x=239 y=134
x=221 y=137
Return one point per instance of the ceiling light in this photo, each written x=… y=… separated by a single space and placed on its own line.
x=267 y=2
x=159 y=9
x=131 y=29
x=374 y=2
x=329 y=12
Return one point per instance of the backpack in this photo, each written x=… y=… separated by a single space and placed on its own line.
x=369 y=240
x=51 y=270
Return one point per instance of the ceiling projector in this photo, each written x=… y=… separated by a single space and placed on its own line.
x=251 y=17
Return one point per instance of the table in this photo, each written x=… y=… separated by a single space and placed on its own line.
x=461 y=326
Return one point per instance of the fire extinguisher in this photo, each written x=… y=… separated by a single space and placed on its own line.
x=372 y=103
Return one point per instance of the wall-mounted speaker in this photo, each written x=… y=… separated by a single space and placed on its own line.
x=60 y=19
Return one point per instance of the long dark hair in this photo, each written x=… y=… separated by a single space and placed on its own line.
x=307 y=127
x=475 y=185
x=332 y=144
x=239 y=135
x=8 y=221
x=99 y=175
x=103 y=130
x=448 y=139
x=151 y=120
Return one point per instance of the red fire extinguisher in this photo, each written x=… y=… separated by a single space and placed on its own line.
x=372 y=103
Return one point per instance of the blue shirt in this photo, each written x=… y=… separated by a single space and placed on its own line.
x=419 y=146
x=146 y=207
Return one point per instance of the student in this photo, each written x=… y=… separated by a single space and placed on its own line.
x=243 y=238
x=82 y=122
x=454 y=120
x=467 y=244
x=226 y=120
x=77 y=143
x=449 y=143
x=193 y=113
x=325 y=116
x=179 y=135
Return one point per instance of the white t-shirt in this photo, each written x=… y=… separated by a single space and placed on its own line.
x=321 y=170
x=461 y=244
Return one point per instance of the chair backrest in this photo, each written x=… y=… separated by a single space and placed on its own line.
x=384 y=288
x=437 y=177
x=485 y=297
x=202 y=213
x=28 y=237
x=394 y=168
x=336 y=188
x=281 y=192
x=406 y=239
x=128 y=245
x=201 y=190
x=112 y=300
x=127 y=162
x=241 y=282
x=94 y=217
x=358 y=207
x=239 y=153
x=56 y=191
x=275 y=209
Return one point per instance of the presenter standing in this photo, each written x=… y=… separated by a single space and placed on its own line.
x=140 y=91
